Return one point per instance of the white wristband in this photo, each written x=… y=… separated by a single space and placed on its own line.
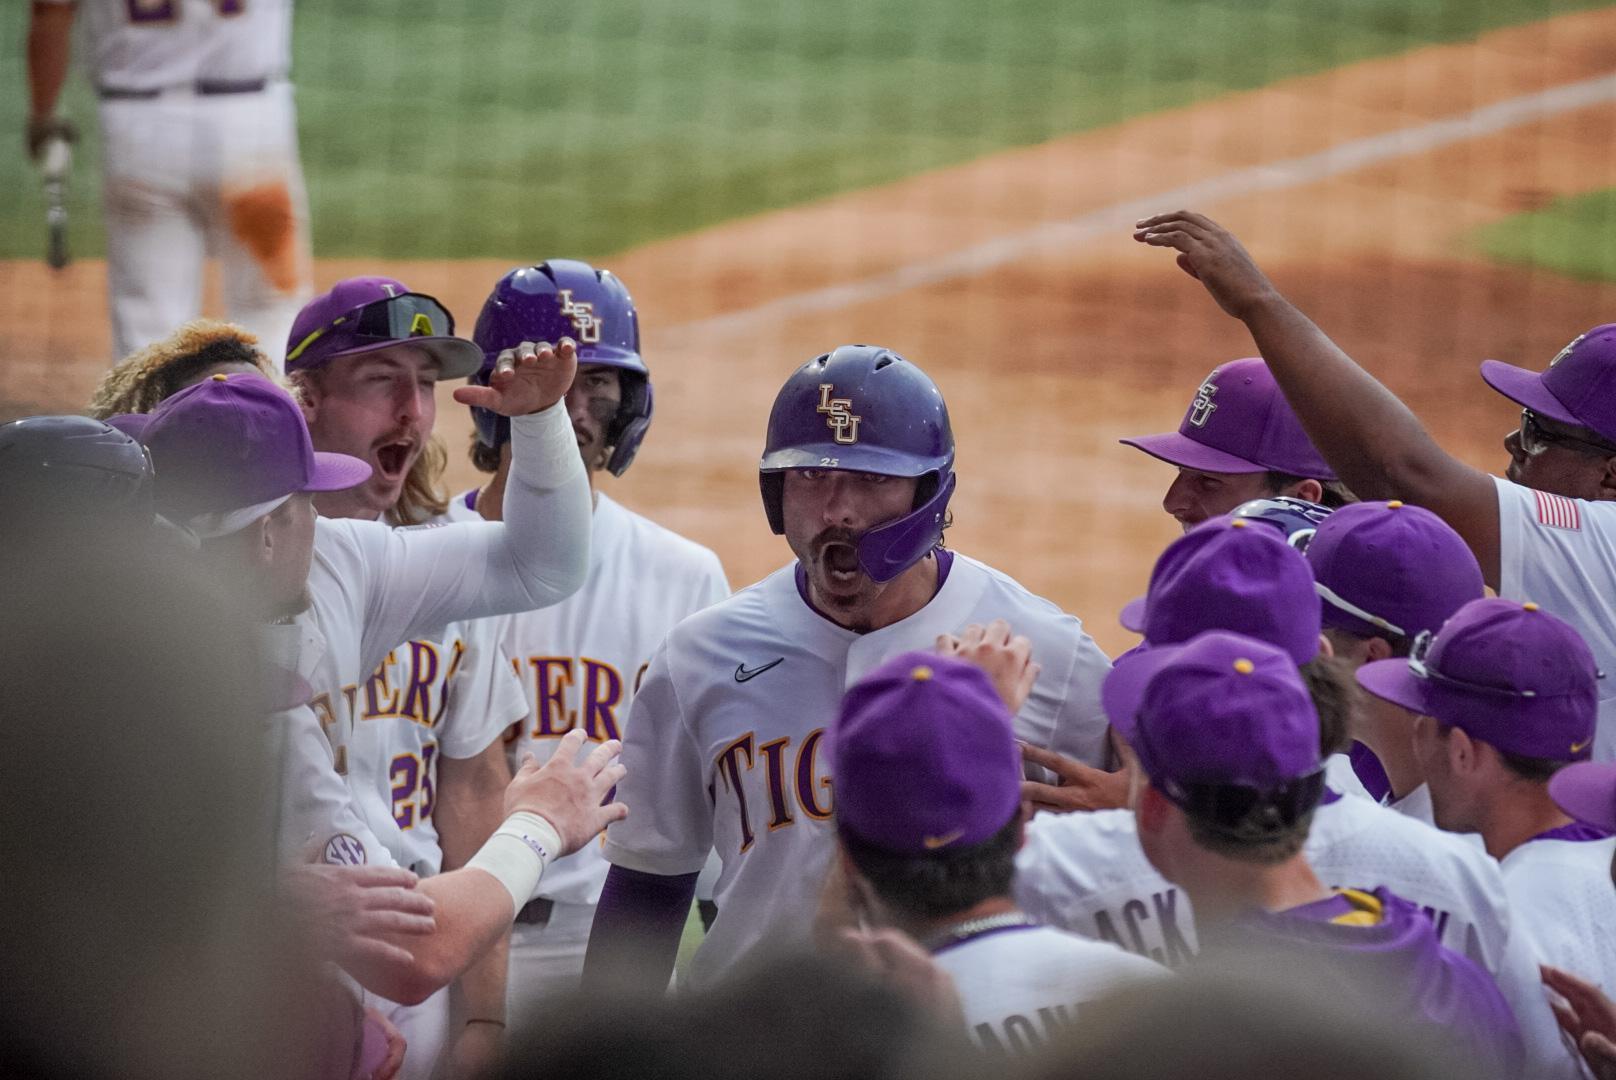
x=517 y=854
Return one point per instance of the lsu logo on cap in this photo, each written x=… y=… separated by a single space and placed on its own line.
x=1565 y=352
x=1202 y=408
x=582 y=314
x=839 y=416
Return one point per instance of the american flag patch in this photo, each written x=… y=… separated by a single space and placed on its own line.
x=1557 y=511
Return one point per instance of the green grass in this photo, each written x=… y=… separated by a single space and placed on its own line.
x=517 y=130
x=1575 y=237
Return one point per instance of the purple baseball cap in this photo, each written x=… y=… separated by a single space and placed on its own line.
x=364 y=314
x=232 y=442
x=1238 y=422
x=924 y=757
x=1385 y=568
x=1221 y=709
x=1505 y=673
x=1587 y=791
x=1230 y=574
x=1578 y=388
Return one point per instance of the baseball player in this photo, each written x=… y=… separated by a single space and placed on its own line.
x=1084 y=872
x=1546 y=531
x=199 y=155
x=1587 y=791
x=427 y=765
x=184 y=358
x=232 y=439
x=1229 y=775
x=1506 y=694
x=928 y=820
x=1388 y=572
x=1238 y=441
x=726 y=737
x=579 y=662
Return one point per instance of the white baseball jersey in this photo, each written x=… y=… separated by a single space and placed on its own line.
x=1340 y=775
x=154 y=44
x=580 y=661
x=372 y=586
x=1561 y=895
x=1561 y=554
x=1023 y=987
x=450 y=695
x=725 y=747
x=1087 y=873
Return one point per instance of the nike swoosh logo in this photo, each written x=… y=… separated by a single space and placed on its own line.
x=744 y=673
x=934 y=842
x=1577 y=748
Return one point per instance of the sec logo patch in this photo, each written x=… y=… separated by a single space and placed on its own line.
x=344 y=850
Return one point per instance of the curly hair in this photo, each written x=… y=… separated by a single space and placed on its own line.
x=166 y=367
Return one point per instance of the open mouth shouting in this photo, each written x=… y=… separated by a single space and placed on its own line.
x=393 y=459
x=839 y=560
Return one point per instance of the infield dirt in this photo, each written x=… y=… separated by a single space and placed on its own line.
x=1049 y=358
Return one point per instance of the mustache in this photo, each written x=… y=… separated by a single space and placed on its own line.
x=834 y=535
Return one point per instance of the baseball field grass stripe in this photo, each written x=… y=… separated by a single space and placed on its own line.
x=1108 y=221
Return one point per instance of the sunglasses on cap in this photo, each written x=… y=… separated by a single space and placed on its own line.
x=1246 y=813
x=1340 y=603
x=1535 y=437
x=392 y=318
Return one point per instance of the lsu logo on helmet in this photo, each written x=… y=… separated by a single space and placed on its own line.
x=583 y=317
x=839 y=416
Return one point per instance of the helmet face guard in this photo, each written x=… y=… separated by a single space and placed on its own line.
x=865 y=409
x=1297 y=519
x=565 y=298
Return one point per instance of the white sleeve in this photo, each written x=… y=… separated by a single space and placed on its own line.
x=1080 y=723
x=1548 y=1054
x=424 y=577
x=318 y=820
x=669 y=828
x=485 y=695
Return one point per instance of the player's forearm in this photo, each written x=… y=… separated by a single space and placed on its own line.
x=1371 y=439
x=49 y=46
x=481 y=988
x=473 y=911
x=547 y=509
x=635 y=936
x=470 y=806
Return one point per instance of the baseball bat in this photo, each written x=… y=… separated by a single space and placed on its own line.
x=57 y=162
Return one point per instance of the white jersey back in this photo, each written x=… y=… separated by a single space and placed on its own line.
x=1561 y=895
x=1561 y=554
x=1023 y=987
x=1087 y=873
x=725 y=747
x=579 y=662
x=157 y=44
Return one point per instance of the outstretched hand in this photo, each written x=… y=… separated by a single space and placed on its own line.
x=571 y=795
x=527 y=379
x=1212 y=255
x=1588 y=1016
x=1005 y=659
x=1077 y=786
x=352 y=913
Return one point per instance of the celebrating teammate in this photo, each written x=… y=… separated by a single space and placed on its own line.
x=1506 y=695
x=1545 y=532
x=1388 y=572
x=1239 y=441
x=200 y=348
x=726 y=740
x=1085 y=872
x=199 y=149
x=581 y=660
x=427 y=764
x=928 y=821
x=1228 y=749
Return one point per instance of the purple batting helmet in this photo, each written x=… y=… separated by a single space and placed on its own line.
x=1297 y=519
x=66 y=465
x=865 y=409
x=566 y=298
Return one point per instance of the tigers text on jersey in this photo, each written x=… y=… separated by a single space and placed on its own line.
x=1561 y=553
x=1087 y=873
x=725 y=747
x=157 y=44
x=580 y=661
x=1024 y=987
x=1561 y=896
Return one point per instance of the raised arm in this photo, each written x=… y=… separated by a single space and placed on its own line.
x=1375 y=444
